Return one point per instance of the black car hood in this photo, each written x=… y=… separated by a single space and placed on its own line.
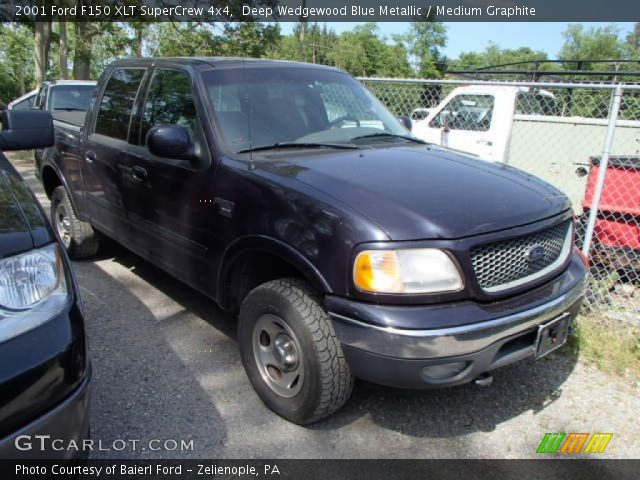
x=425 y=192
x=22 y=223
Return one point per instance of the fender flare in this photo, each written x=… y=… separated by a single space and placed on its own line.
x=46 y=163
x=266 y=244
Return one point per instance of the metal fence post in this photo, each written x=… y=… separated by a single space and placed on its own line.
x=604 y=162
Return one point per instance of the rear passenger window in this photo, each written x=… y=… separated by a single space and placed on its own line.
x=117 y=102
x=169 y=102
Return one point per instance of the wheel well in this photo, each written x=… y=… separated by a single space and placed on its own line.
x=50 y=180
x=252 y=269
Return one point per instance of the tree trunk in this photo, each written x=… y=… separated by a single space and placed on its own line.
x=303 y=31
x=139 y=29
x=64 y=48
x=42 y=44
x=82 y=54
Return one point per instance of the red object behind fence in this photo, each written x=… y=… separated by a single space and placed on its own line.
x=618 y=221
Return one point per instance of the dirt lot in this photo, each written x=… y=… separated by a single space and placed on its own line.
x=166 y=366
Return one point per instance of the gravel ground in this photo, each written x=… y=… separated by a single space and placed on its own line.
x=166 y=366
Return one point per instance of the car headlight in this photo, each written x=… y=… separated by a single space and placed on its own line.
x=416 y=270
x=33 y=289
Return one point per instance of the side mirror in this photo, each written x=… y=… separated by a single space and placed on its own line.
x=446 y=120
x=406 y=121
x=171 y=141
x=25 y=130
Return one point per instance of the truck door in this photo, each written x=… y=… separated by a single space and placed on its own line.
x=105 y=143
x=466 y=123
x=165 y=197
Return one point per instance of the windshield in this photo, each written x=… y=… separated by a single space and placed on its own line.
x=260 y=107
x=70 y=97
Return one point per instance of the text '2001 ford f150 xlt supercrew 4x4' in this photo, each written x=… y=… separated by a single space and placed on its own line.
x=350 y=248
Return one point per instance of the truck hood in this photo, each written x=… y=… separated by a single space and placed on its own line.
x=425 y=192
x=22 y=223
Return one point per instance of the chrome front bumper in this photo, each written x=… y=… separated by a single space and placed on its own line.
x=396 y=356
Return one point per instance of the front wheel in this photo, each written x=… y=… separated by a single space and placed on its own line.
x=78 y=237
x=291 y=353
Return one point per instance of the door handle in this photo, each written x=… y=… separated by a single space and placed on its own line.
x=488 y=143
x=90 y=156
x=138 y=174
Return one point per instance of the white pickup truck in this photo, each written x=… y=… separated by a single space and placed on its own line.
x=524 y=128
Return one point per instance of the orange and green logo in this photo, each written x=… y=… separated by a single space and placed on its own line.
x=572 y=443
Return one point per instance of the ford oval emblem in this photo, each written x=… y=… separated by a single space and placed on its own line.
x=534 y=254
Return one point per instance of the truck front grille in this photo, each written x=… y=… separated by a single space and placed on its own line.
x=510 y=263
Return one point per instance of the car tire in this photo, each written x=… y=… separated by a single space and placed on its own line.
x=78 y=237
x=283 y=322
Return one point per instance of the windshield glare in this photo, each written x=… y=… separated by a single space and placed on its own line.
x=257 y=107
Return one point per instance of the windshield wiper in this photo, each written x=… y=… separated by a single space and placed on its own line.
x=275 y=146
x=391 y=135
x=70 y=109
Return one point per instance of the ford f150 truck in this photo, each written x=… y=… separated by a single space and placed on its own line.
x=348 y=247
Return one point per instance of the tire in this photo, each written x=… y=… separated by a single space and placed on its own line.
x=288 y=309
x=78 y=237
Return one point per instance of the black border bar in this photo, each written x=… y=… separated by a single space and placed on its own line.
x=320 y=10
x=543 y=469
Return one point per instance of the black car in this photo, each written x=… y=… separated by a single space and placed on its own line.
x=350 y=248
x=44 y=369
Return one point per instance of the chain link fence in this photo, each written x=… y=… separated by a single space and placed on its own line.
x=582 y=138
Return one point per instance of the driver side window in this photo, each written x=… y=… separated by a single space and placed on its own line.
x=466 y=112
x=169 y=102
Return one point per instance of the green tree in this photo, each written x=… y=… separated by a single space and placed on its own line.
x=42 y=47
x=116 y=40
x=594 y=43
x=16 y=60
x=250 y=39
x=63 y=50
x=632 y=43
x=395 y=60
x=83 y=46
x=363 y=51
x=493 y=56
x=314 y=46
x=425 y=41
x=349 y=54
x=182 y=39
x=469 y=61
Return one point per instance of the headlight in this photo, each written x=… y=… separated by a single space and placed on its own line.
x=417 y=270
x=32 y=290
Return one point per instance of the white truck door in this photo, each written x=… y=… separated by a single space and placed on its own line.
x=467 y=122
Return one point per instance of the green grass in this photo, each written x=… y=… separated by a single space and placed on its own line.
x=612 y=346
